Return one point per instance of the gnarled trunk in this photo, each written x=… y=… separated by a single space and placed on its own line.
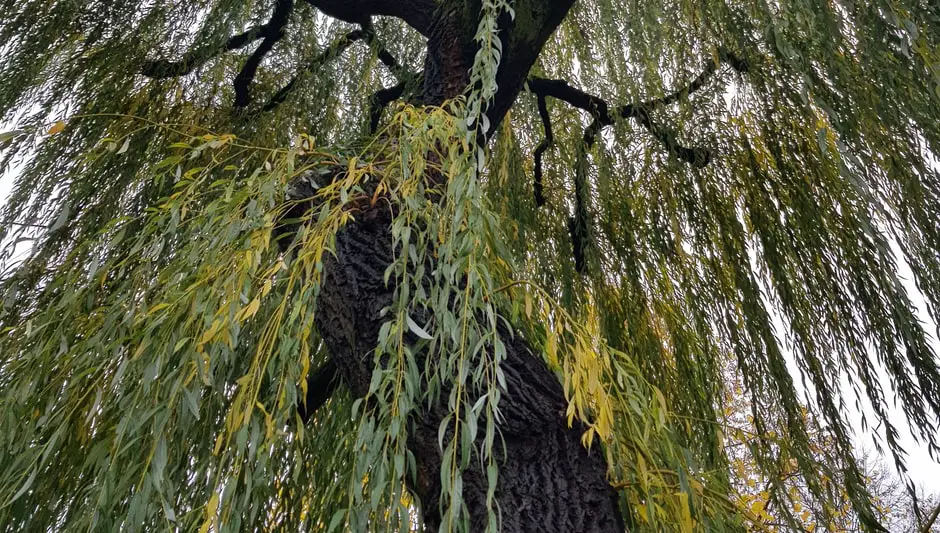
x=548 y=481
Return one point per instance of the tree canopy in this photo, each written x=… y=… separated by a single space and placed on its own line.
x=624 y=198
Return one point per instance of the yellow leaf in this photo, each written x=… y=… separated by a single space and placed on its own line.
x=219 y=441
x=158 y=307
x=211 y=508
x=352 y=166
x=757 y=507
x=251 y=309
x=57 y=128
x=207 y=336
x=685 y=512
x=213 y=505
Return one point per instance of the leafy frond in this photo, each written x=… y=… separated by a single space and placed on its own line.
x=681 y=183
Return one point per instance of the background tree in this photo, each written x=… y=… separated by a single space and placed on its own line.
x=492 y=253
x=898 y=506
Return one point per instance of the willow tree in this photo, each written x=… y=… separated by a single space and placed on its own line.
x=392 y=264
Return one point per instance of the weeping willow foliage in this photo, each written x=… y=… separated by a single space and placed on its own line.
x=157 y=326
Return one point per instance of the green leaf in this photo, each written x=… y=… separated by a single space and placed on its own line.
x=159 y=462
x=7 y=135
x=23 y=488
x=336 y=520
x=62 y=219
x=416 y=329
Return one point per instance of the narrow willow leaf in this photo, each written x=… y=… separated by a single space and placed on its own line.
x=416 y=329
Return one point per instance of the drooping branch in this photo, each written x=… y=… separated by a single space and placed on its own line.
x=578 y=223
x=604 y=116
x=273 y=33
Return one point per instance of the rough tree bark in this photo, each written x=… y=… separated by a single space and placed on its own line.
x=547 y=480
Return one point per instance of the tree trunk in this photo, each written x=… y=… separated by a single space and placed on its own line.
x=548 y=481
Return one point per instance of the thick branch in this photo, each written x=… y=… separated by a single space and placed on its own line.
x=321 y=384
x=161 y=69
x=521 y=46
x=380 y=101
x=272 y=34
x=416 y=13
x=600 y=110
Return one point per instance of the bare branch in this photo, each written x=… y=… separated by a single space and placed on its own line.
x=274 y=31
x=930 y=521
x=336 y=48
x=162 y=69
x=333 y=50
x=380 y=101
x=603 y=116
x=547 y=142
x=416 y=13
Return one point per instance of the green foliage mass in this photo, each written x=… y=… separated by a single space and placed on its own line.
x=155 y=336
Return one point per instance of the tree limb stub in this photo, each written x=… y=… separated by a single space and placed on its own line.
x=380 y=101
